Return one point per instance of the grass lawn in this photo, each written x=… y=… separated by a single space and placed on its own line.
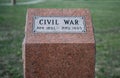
x=106 y=21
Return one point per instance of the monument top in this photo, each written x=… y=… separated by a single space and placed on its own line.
x=58 y=26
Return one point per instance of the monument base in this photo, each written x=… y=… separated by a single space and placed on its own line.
x=58 y=55
x=59 y=60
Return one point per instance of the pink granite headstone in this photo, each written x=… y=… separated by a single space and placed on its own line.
x=59 y=43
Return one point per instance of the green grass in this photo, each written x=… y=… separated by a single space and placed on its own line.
x=106 y=21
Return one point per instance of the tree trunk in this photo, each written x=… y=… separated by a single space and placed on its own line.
x=13 y=2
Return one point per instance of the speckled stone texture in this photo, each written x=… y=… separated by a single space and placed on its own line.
x=58 y=55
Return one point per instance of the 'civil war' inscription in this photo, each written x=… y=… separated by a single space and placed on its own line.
x=59 y=24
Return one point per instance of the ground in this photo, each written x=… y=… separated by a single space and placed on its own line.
x=106 y=22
